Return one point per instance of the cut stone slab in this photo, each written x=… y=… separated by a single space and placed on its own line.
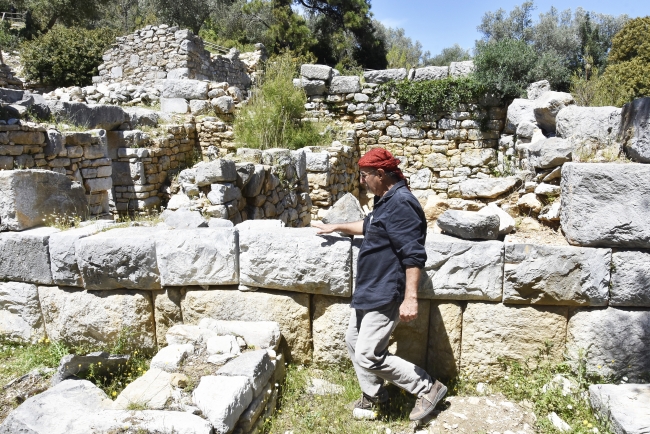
x=169 y=358
x=197 y=257
x=183 y=218
x=77 y=317
x=74 y=365
x=626 y=406
x=431 y=73
x=223 y=345
x=630 y=279
x=254 y=365
x=606 y=204
x=152 y=391
x=187 y=89
x=330 y=323
x=615 y=341
x=181 y=334
x=461 y=69
x=487 y=188
x=345 y=84
x=223 y=399
x=445 y=330
x=24 y=256
x=212 y=172
x=521 y=110
x=32 y=197
x=290 y=310
x=384 y=75
x=167 y=311
x=89 y=116
x=506 y=222
x=20 y=312
x=149 y=421
x=462 y=270
x=260 y=334
x=254 y=410
x=346 y=210
x=556 y=275
x=174 y=105
x=295 y=260
x=316 y=72
x=635 y=129
x=220 y=194
x=494 y=331
x=317 y=161
x=119 y=258
x=548 y=105
x=311 y=87
x=588 y=125
x=469 y=224
x=549 y=153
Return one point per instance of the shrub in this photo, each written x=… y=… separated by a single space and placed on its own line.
x=271 y=118
x=65 y=56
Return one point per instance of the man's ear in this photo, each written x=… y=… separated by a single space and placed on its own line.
x=381 y=173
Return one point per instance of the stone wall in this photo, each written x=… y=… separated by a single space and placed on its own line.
x=7 y=78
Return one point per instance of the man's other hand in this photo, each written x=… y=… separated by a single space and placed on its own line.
x=408 y=310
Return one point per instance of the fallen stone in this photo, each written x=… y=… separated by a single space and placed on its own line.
x=584 y=125
x=487 y=188
x=223 y=345
x=215 y=171
x=634 y=133
x=548 y=105
x=181 y=334
x=630 y=279
x=520 y=110
x=223 y=104
x=316 y=72
x=89 y=116
x=20 y=312
x=469 y=225
x=142 y=117
x=183 y=218
x=431 y=73
x=254 y=365
x=346 y=210
x=187 y=89
x=170 y=357
x=167 y=311
x=606 y=204
x=216 y=223
x=223 y=399
x=259 y=334
x=345 y=84
x=100 y=362
x=151 y=391
x=24 y=256
x=558 y=422
x=444 y=341
x=548 y=190
x=625 y=406
x=221 y=359
x=549 y=153
x=384 y=75
x=550 y=213
x=506 y=222
x=529 y=202
x=200 y=107
x=221 y=194
x=535 y=90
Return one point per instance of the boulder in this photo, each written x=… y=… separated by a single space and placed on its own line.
x=588 y=125
x=181 y=334
x=548 y=105
x=167 y=311
x=549 y=153
x=535 y=90
x=384 y=75
x=77 y=317
x=200 y=107
x=520 y=110
x=506 y=222
x=445 y=330
x=331 y=317
x=469 y=225
x=311 y=87
x=212 y=172
x=613 y=341
x=174 y=105
x=183 y=218
x=488 y=188
x=431 y=73
x=526 y=130
x=462 y=270
x=316 y=72
x=89 y=116
x=222 y=400
x=606 y=204
x=32 y=197
x=254 y=365
x=20 y=312
x=634 y=133
x=260 y=334
x=151 y=391
x=623 y=406
x=244 y=173
x=346 y=210
x=492 y=332
x=221 y=194
x=556 y=275
x=197 y=257
x=345 y=84
x=24 y=256
x=186 y=89
x=169 y=358
x=461 y=69
x=630 y=279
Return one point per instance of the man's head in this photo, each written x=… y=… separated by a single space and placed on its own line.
x=379 y=171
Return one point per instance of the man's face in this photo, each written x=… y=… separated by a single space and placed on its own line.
x=372 y=180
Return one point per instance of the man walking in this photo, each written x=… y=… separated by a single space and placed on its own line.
x=388 y=271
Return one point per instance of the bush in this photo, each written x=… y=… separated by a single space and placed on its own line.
x=65 y=56
x=271 y=118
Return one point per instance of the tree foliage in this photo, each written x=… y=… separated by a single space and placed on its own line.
x=455 y=53
x=402 y=51
x=186 y=13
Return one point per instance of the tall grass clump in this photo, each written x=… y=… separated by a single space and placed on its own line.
x=271 y=118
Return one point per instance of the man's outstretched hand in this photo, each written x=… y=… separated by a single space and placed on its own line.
x=354 y=228
x=324 y=228
x=408 y=310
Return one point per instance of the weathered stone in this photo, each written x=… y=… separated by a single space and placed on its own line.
x=220 y=170
x=255 y=409
x=223 y=345
x=141 y=117
x=221 y=194
x=630 y=279
x=24 y=256
x=469 y=225
x=101 y=363
x=223 y=104
x=318 y=161
x=290 y=310
x=550 y=213
x=219 y=223
x=624 y=406
x=151 y=391
x=90 y=116
x=487 y=188
x=30 y=198
x=346 y=210
x=462 y=270
x=530 y=203
x=295 y=260
x=588 y=125
x=461 y=69
x=181 y=334
x=420 y=179
x=149 y=421
x=520 y=110
x=174 y=105
x=535 y=90
x=20 y=312
x=316 y=72
x=311 y=87
x=169 y=358
x=614 y=341
x=200 y=107
x=78 y=317
x=167 y=311
x=477 y=157
x=548 y=105
x=431 y=73
x=254 y=365
x=496 y=331
x=434 y=207
x=259 y=225
x=445 y=327
x=606 y=204
x=634 y=133
x=384 y=75
x=260 y=334
x=544 y=274
x=549 y=153
x=223 y=399
x=345 y=84
x=548 y=190
x=187 y=89
x=506 y=222
x=331 y=317
x=183 y=218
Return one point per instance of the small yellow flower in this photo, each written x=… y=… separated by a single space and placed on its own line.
x=599 y=366
x=584 y=422
x=47 y=341
x=589 y=425
x=114 y=393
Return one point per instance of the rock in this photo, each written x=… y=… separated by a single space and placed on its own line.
x=469 y=224
x=244 y=173
x=254 y=365
x=535 y=90
x=212 y=172
x=152 y=391
x=634 y=133
x=462 y=270
x=223 y=104
x=32 y=197
x=384 y=75
x=223 y=345
x=295 y=260
x=311 y=87
x=290 y=310
x=434 y=207
x=345 y=84
x=316 y=72
x=556 y=275
x=169 y=358
x=630 y=277
x=330 y=323
x=141 y=117
x=223 y=399
x=548 y=190
x=77 y=317
x=200 y=107
x=89 y=116
x=119 y=258
x=219 y=223
x=520 y=110
x=530 y=202
x=461 y=69
x=184 y=218
x=548 y=105
x=221 y=359
x=409 y=340
x=431 y=73
x=420 y=179
x=255 y=409
x=24 y=256
x=493 y=331
x=318 y=161
x=178 y=201
x=550 y=213
x=549 y=153
x=526 y=130
x=487 y=188
x=174 y=105
x=506 y=222
x=186 y=89
x=101 y=363
x=477 y=157
x=167 y=311
x=346 y=210
x=259 y=225
x=259 y=334
x=221 y=194
x=20 y=312
x=606 y=204
x=256 y=182
x=613 y=340
x=181 y=334
x=558 y=423
x=149 y=421
x=624 y=406
x=584 y=125
x=445 y=326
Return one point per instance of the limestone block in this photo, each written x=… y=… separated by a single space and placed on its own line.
x=316 y=72
x=30 y=198
x=547 y=190
x=477 y=157
x=520 y=110
x=545 y=274
x=420 y=179
x=119 y=258
x=549 y=153
x=78 y=317
x=20 y=312
x=635 y=129
x=151 y=391
x=186 y=89
x=318 y=161
x=183 y=218
x=98 y=184
x=167 y=311
x=259 y=334
x=346 y=210
x=330 y=323
x=149 y=421
x=624 y=406
x=128 y=173
x=220 y=223
x=299 y=160
x=384 y=75
x=139 y=116
x=174 y=105
x=290 y=310
x=431 y=73
x=345 y=84
x=630 y=279
x=548 y=105
x=295 y=260
x=410 y=339
x=462 y=270
x=254 y=365
x=487 y=188
x=222 y=400
x=311 y=87
x=583 y=125
x=259 y=225
x=493 y=331
x=506 y=222
x=212 y=172
x=223 y=193
x=24 y=256
x=223 y=104
x=469 y=224
x=461 y=69
x=606 y=204
x=445 y=330
x=223 y=345
x=181 y=334
x=535 y=90
x=254 y=411
x=90 y=116
x=169 y=358
x=200 y=107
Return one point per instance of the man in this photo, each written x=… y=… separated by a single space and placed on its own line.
x=388 y=271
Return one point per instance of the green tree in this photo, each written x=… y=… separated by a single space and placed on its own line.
x=402 y=52
x=455 y=53
x=48 y=13
x=186 y=13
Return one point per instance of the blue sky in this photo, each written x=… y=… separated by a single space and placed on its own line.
x=440 y=24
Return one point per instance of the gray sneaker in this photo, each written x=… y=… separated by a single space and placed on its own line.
x=367 y=408
x=427 y=402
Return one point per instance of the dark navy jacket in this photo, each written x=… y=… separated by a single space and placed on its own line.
x=394 y=235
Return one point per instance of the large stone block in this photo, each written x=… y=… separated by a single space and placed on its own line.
x=606 y=204
x=431 y=73
x=187 y=89
x=461 y=69
x=469 y=224
x=316 y=72
x=588 y=125
x=445 y=331
x=614 y=341
x=625 y=406
x=630 y=279
x=30 y=198
x=549 y=153
x=220 y=170
x=544 y=274
x=345 y=84
x=462 y=270
x=295 y=260
x=90 y=116
x=24 y=256
x=331 y=317
x=254 y=365
x=258 y=334
x=222 y=400
x=495 y=331
x=289 y=310
x=311 y=87
x=20 y=312
x=487 y=188
x=520 y=110
x=635 y=129
x=199 y=257
x=384 y=75
x=174 y=105
x=548 y=105
x=78 y=317
x=167 y=311
x=151 y=391
x=410 y=339
x=119 y=258
x=346 y=210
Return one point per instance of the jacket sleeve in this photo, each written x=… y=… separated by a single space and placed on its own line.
x=406 y=229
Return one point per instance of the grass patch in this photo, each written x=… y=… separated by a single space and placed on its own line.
x=18 y=359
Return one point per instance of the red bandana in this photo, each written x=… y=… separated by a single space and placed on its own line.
x=379 y=158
